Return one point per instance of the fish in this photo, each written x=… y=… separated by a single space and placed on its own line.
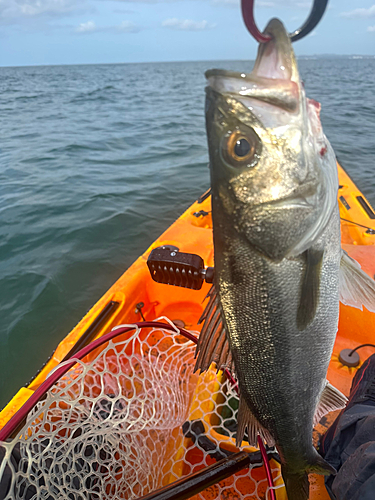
x=272 y=312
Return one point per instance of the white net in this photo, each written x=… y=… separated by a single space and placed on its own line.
x=128 y=420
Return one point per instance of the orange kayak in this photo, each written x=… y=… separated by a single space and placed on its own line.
x=208 y=398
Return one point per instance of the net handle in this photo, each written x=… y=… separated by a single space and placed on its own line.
x=17 y=419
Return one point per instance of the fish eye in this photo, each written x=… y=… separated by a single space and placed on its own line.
x=241 y=148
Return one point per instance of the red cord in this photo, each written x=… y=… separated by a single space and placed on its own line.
x=260 y=444
x=247 y=7
x=267 y=467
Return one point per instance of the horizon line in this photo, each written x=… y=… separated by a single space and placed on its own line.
x=326 y=55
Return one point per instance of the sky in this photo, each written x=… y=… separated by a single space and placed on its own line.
x=43 y=32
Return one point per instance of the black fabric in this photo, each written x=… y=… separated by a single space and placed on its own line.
x=349 y=444
x=352 y=453
x=6 y=479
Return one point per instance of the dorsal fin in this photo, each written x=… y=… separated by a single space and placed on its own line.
x=357 y=289
x=213 y=345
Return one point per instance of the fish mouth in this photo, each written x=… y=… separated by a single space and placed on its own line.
x=304 y=197
x=274 y=78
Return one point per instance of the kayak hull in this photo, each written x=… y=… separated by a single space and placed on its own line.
x=135 y=291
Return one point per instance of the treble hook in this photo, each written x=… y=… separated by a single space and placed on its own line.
x=317 y=11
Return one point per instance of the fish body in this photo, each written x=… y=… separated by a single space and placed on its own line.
x=277 y=254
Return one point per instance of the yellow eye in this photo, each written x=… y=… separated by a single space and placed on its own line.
x=240 y=149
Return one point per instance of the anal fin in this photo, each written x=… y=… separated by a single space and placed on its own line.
x=357 y=289
x=213 y=344
x=330 y=400
x=246 y=420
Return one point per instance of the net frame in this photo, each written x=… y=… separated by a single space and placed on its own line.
x=200 y=397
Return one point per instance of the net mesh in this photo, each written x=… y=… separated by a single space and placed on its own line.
x=130 y=418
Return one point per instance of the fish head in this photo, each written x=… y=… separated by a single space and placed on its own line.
x=273 y=172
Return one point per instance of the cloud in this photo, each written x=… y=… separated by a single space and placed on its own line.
x=236 y=3
x=88 y=27
x=261 y=3
x=145 y=1
x=36 y=14
x=228 y=3
x=359 y=13
x=33 y=8
x=187 y=24
x=128 y=27
x=266 y=4
x=124 y=11
x=371 y=29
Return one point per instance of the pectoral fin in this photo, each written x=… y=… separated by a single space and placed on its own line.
x=310 y=288
x=357 y=289
x=213 y=345
x=330 y=400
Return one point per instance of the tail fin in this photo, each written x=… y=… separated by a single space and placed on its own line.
x=297 y=485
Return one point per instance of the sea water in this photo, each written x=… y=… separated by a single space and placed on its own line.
x=96 y=161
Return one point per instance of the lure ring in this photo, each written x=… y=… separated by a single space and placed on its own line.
x=317 y=11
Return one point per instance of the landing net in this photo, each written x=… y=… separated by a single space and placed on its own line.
x=127 y=420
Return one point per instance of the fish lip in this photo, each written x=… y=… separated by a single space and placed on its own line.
x=289 y=202
x=297 y=199
x=281 y=93
x=275 y=61
x=256 y=81
x=228 y=73
x=274 y=78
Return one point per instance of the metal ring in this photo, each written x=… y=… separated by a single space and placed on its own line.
x=317 y=11
x=247 y=7
x=315 y=16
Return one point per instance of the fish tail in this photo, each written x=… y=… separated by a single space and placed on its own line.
x=297 y=484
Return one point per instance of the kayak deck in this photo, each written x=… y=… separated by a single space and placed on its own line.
x=192 y=233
